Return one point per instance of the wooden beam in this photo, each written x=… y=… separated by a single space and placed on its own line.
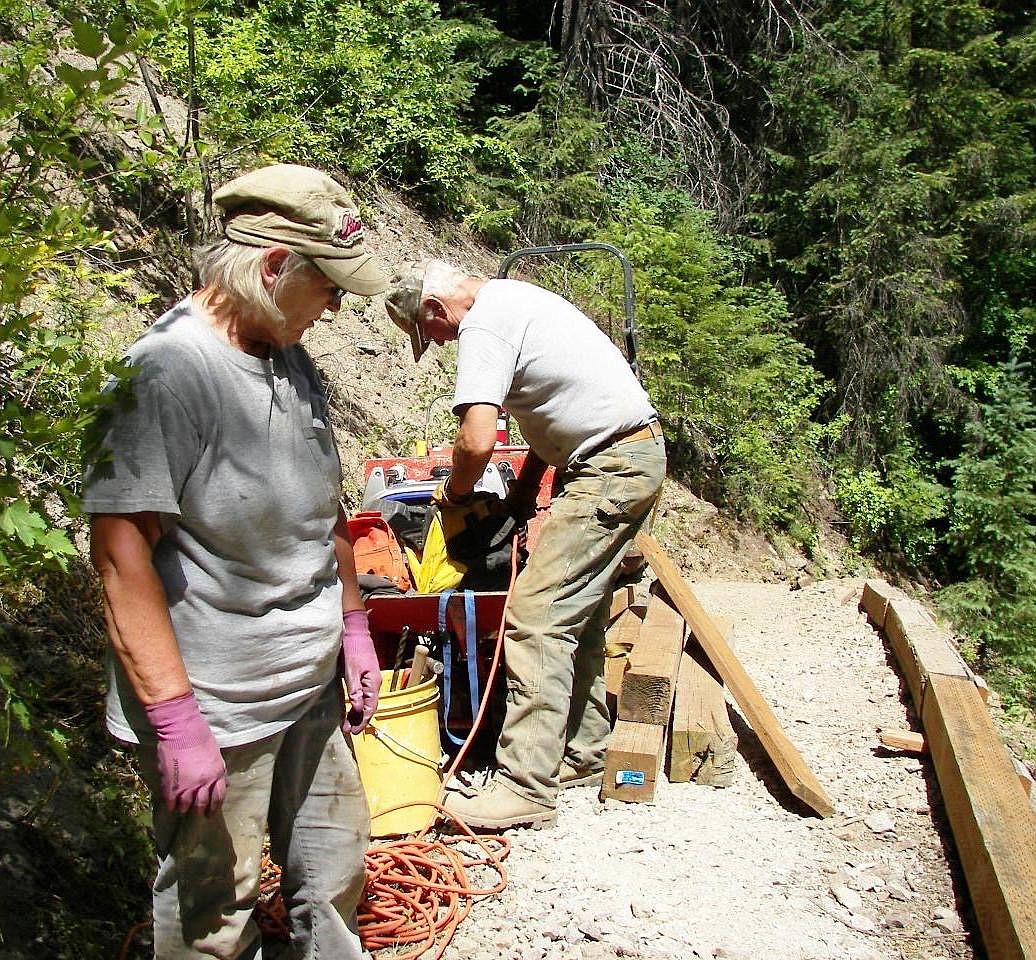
x=649 y=682
x=619 y=639
x=918 y=644
x=874 y=602
x=905 y=740
x=635 y=754
x=789 y=763
x=622 y=600
x=702 y=743
x=992 y=824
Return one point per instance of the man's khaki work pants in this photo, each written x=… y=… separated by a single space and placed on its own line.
x=555 y=648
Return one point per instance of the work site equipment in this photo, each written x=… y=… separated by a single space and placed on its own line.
x=398 y=755
x=459 y=555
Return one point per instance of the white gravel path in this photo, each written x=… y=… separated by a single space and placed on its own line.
x=745 y=872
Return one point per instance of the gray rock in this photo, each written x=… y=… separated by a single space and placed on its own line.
x=898 y=892
x=880 y=822
x=950 y=924
x=861 y=923
x=849 y=899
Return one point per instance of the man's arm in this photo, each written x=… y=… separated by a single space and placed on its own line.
x=473 y=447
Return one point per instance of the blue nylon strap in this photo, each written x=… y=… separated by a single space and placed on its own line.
x=447 y=666
x=471 y=650
x=470 y=654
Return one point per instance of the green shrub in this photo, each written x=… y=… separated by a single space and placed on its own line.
x=992 y=531
x=891 y=513
x=737 y=392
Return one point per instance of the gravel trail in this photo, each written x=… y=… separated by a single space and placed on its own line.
x=745 y=872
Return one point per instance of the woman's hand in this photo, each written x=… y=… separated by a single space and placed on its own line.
x=361 y=671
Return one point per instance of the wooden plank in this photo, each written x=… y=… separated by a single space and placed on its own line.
x=918 y=644
x=619 y=639
x=905 y=740
x=634 y=749
x=988 y=812
x=789 y=763
x=649 y=683
x=702 y=743
x=614 y=668
x=875 y=602
x=622 y=599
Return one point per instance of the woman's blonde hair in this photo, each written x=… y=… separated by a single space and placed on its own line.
x=233 y=273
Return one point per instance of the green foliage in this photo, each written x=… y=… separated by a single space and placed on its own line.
x=377 y=89
x=550 y=190
x=51 y=378
x=891 y=511
x=736 y=390
x=993 y=527
x=899 y=213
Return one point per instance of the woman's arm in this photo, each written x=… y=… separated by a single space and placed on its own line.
x=135 y=605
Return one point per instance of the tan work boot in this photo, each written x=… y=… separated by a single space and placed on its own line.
x=497 y=808
x=571 y=777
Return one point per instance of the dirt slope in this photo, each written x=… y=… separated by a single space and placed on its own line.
x=742 y=872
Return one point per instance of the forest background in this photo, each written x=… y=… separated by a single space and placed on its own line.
x=829 y=207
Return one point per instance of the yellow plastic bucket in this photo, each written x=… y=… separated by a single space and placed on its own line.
x=398 y=755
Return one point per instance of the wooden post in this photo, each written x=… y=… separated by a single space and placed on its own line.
x=702 y=743
x=789 y=763
x=649 y=682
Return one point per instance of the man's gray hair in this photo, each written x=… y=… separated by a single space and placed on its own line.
x=441 y=279
x=233 y=271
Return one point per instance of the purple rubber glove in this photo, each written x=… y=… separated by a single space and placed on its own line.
x=190 y=766
x=361 y=670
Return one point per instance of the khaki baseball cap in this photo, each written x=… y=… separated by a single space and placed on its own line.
x=305 y=210
x=403 y=301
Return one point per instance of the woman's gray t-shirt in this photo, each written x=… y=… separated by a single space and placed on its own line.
x=236 y=455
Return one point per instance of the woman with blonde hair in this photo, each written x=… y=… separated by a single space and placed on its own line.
x=228 y=580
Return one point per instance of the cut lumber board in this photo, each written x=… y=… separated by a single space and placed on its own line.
x=622 y=600
x=619 y=639
x=614 y=668
x=635 y=752
x=906 y=740
x=989 y=814
x=986 y=806
x=702 y=745
x=789 y=762
x=918 y=644
x=649 y=682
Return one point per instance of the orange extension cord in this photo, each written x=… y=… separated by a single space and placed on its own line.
x=417 y=890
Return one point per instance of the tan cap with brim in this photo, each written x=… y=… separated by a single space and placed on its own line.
x=403 y=301
x=305 y=210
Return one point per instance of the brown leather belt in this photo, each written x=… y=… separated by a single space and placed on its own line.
x=651 y=430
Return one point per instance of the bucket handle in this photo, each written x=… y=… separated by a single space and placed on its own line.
x=383 y=736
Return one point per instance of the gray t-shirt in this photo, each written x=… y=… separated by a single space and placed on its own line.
x=526 y=349
x=236 y=455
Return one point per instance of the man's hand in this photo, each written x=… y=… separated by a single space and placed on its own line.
x=191 y=770
x=520 y=502
x=361 y=671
